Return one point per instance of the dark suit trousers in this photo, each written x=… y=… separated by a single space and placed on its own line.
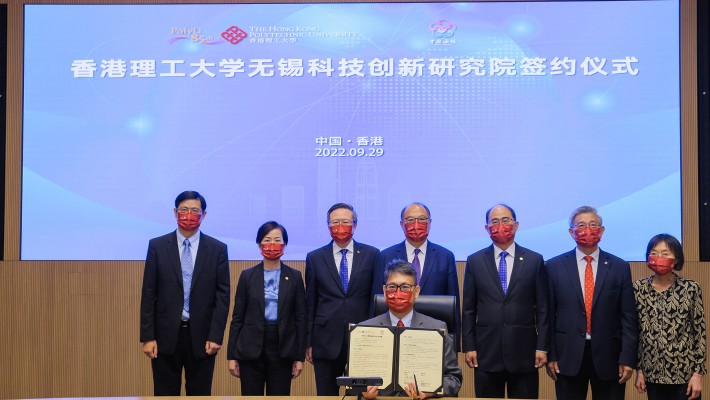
x=167 y=370
x=327 y=370
x=575 y=387
x=269 y=369
x=492 y=384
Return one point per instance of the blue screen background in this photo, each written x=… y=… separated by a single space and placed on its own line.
x=104 y=158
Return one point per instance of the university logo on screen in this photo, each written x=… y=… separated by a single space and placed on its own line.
x=231 y=35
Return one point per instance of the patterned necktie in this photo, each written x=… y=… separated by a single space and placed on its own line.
x=503 y=271
x=417 y=266
x=400 y=323
x=344 y=270
x=588 y=292
x=187 y=269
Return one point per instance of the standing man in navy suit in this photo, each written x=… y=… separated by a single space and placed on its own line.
x=338 y=292
x=434 y=264
x=185 y=302
x=594 y=316
x=506 y=319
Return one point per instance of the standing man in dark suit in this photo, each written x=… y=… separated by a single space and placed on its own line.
x=593 y=314
x=434 y=264
x=338 y=282
x=185 y=302
x=505 y=312
x=401 y=292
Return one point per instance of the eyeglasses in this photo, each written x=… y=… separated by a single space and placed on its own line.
x=504 y=221
x=591 y=225
x=405 y=288
x=665 y=254
x=193 y=211
x=421 y=220
x=344 y=222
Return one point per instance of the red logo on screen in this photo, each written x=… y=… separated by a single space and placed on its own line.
x=234 y=35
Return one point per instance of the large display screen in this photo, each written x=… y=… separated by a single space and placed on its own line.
x=278 y=111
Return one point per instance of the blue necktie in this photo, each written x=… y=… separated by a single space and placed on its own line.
x=503 y=271
x=417 y=266
x=187 y=268
x=344 y=270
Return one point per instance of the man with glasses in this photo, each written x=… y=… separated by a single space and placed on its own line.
x=185 y=302
x=593 y=314
x=505 y=322
x=435 y=266
x=401 y=291
x=338 y=279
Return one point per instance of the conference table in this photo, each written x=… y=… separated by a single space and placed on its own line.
x=254 y=398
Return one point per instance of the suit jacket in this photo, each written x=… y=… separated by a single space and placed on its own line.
x=329 y=308
x=614 y=317
x=439 y=275
x=246 y=332
x=452 y=371
x=505 y=330
x=162 y=296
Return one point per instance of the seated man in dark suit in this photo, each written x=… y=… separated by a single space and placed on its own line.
x=401 y=291
x=435 y=266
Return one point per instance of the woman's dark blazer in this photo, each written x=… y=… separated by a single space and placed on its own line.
x=246 y=332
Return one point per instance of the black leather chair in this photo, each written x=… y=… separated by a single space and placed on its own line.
x=441 y=307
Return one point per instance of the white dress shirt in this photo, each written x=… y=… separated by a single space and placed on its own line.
x=339 y=256
x=422 y=255
x=509 y=260
x=582 y=267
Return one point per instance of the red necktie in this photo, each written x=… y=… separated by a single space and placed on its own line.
x=588 y=292
x=400 y=323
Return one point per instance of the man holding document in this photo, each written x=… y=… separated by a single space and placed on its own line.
x=419 y=362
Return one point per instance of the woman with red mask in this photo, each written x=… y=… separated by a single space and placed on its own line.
x=672 y=343
x=267 y=336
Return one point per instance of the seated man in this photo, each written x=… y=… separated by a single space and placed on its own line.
x=400 y=293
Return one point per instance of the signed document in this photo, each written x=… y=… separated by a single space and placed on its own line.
x=397 y=355
x=421 y=354
x=371 y=353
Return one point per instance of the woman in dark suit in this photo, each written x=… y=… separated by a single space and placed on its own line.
x=672 y=344
x=267 y=336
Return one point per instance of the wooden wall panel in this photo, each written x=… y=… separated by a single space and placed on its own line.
x=70 y=329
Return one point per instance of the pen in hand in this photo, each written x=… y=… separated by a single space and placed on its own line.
x=416 y=387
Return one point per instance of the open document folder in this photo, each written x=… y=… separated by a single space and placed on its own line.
x=397 y=355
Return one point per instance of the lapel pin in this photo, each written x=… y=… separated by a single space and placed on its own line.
x=358 y=252
x=521 y=259
x=606 y=262
x=286 y=278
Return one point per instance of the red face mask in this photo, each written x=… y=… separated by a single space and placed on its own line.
x=341 y=233
x=416 y=231
x=272 y=251
x=660 y=265
x=587 y=237
x=188 y=222
x=399 y=301
x=501 y=234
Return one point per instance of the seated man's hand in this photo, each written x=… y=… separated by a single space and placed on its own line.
x=411 y=391
x=371 y=392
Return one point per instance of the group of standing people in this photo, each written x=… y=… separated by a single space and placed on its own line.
x=578 y=315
